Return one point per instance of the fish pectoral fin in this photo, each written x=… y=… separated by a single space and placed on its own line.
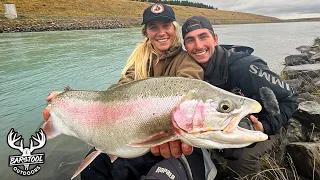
x=86 y=162
x=50 y=131
x=112 y=158
x=157 y=139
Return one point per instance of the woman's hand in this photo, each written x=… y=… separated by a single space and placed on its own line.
x=175 y=148
x=46 y=111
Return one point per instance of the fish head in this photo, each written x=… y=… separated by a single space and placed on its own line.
x=213 y=122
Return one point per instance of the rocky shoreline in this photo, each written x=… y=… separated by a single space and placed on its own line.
x=62 y=24
x=297 y=151
x=300 y=139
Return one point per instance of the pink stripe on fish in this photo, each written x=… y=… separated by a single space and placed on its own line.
x=97 y=112
x=93 y=112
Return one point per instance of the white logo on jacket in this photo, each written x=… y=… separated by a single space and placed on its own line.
x=166 y=171
x=272 y=79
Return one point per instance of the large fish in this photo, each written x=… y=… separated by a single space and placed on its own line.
x=128 y=119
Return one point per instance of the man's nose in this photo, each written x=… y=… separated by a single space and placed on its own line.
x=198 y=44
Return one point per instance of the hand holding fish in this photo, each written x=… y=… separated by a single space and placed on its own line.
x=175 y=148
x=46 y=111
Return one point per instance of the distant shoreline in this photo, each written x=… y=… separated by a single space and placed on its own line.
x=65 y=23
x=36 y=16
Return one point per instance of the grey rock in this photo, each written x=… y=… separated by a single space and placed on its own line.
x=306 y=158
x=315 y=57
x=301 y=100
x=309 y=97
x=306 y=72
x=295 y=83
x=304 y=49
x=308 y=113
x=309 y=87
x=295 y=131
x=293 y=60
x=313 y=136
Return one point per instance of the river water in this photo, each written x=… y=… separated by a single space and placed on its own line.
x=33 y=64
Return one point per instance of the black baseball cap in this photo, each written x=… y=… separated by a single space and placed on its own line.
x=158 y=11
x=196 y=22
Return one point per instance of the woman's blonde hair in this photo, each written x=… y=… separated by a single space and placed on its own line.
x=142 y=57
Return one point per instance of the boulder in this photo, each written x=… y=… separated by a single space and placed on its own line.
x=295 y=83
x=295 y=132
x=306 y=71
x=293 y=60
x=313 y=136
x=306 y=158
x=315 y=57
x=308 y=114
x=309 y=97
x=304 y=49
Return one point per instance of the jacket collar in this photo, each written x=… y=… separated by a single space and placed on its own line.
x=217 y=71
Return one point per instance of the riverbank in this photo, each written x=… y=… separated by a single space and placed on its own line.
x=37 y=23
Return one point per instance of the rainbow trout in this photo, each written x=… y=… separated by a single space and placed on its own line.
x=128 y=119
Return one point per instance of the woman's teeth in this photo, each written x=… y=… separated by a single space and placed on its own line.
x=163 y=40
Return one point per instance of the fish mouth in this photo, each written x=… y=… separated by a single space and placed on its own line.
x=230 y=136
x=232 y=126
x=219 y=139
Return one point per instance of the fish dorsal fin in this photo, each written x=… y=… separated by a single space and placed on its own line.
x=67 y=88
x=86 y=162
x=155 y=140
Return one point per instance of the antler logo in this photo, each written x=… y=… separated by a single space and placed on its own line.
x=26 y=158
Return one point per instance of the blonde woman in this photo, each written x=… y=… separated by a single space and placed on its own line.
x=160 y=54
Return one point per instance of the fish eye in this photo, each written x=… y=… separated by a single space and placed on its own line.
x=225 y=106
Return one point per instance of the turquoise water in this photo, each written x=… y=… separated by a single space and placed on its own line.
x=33 y=64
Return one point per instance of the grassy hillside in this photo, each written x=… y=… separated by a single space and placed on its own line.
x=129 y=11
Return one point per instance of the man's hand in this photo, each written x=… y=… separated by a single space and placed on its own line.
x=46 y=111
x=175 y=148
x=256 y=124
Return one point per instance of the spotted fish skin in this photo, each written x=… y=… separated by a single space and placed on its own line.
x=128 y=119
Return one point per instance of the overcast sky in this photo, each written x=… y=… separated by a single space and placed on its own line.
x=283 y=9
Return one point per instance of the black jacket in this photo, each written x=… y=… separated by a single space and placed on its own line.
x=229 y=70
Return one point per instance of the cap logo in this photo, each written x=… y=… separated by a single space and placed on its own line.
x=157 y=8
